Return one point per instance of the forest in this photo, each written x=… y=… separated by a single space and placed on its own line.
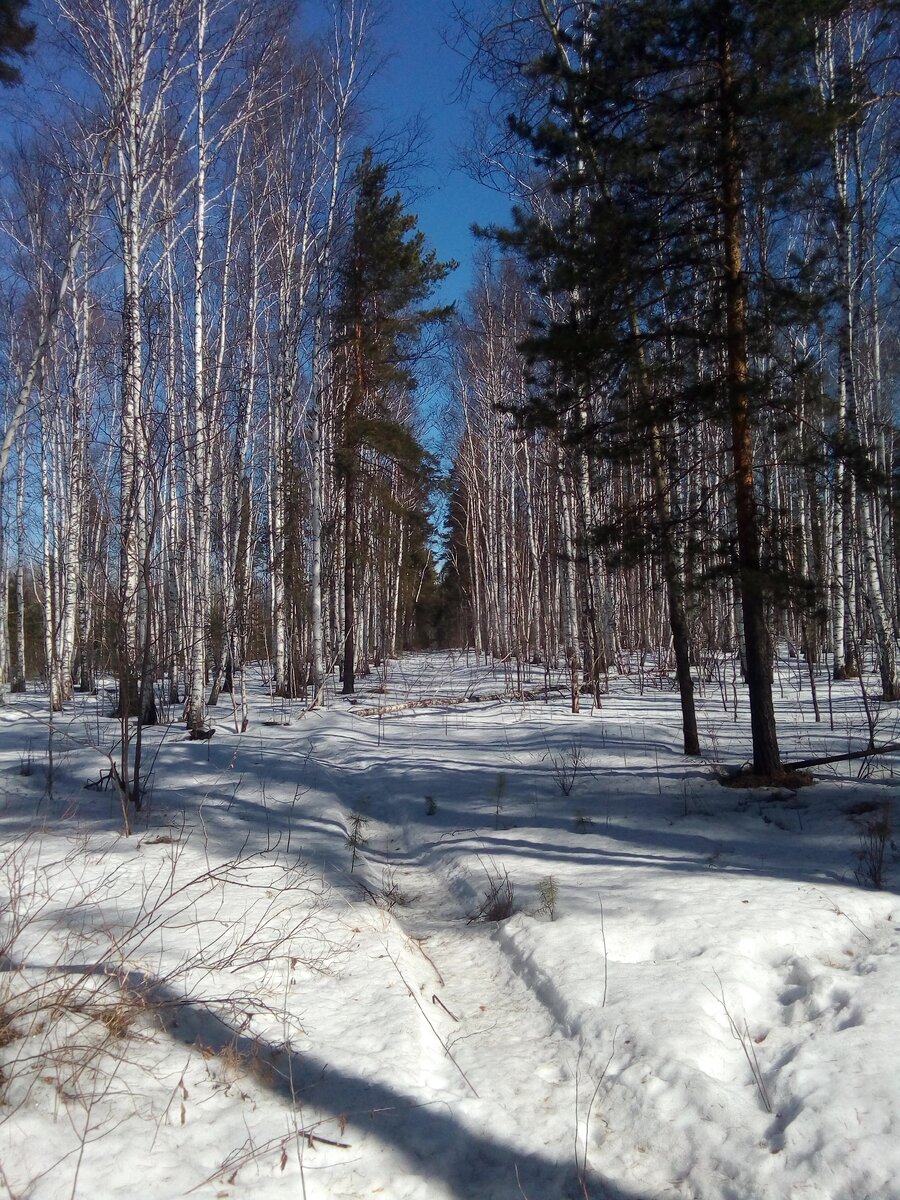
x=670 y=399
x=449 y=730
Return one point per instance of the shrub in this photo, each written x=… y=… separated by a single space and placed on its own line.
x=874 y=840
x=499 y=897
x=565 y=765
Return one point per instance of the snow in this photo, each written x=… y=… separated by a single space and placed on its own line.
x=219 y=1006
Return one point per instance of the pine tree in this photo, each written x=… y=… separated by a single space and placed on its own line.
x=16 y=36
x=667 y=117
x=386 y=277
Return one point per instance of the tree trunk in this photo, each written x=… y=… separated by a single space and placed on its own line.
x=349 y=657
x=17 y=682
x=766 y=755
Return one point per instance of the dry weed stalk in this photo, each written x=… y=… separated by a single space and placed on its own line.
x=742 y=1035
x=582 y=1139
x=498 y=902
x=565 y=765
x=874 y=842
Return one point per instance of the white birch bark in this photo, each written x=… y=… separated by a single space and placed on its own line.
x=18 y=683
x=195 y=713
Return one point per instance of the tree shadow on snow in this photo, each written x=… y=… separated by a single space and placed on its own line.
x=432 y=1140
x=625 y=828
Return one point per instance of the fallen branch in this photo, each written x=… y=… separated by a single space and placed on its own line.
x=100 y=784
x=242 y=1157
x=450 y=701
x=871 y=752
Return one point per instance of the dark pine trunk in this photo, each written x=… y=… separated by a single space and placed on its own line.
x=766 y=755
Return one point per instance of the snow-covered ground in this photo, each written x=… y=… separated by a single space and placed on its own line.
x=275 y=987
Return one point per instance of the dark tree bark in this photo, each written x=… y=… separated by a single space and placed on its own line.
x=766 y=755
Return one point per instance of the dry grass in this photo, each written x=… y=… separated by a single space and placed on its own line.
x=73 y=998
x=8 y=1031
x=236 y=1061
x=118 y=1018
x=874 y=843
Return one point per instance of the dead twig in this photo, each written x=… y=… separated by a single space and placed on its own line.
x=239 y=1159
x=435 y=999
x=417 y=942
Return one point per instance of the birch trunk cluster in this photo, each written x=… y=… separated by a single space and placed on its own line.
x=172 y=504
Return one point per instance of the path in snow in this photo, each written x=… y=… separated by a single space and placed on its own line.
x=445 y=1054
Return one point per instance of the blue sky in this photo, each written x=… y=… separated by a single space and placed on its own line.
x=420 y=79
